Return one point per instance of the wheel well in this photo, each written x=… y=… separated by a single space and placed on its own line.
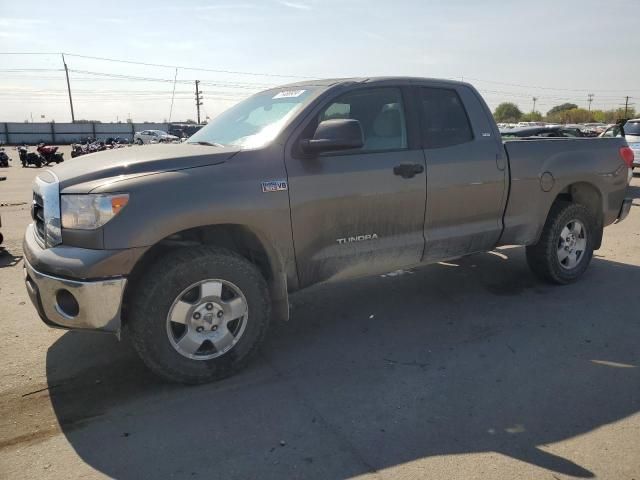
x=237 y=238
x=588 y=195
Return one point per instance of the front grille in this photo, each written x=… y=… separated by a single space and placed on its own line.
x=37 y=214
x=45 y=210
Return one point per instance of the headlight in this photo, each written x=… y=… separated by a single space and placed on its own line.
x=88 y=212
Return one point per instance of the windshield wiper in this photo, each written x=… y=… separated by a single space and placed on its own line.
x=210 y=144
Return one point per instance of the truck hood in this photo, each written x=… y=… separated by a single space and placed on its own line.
x=109 y=165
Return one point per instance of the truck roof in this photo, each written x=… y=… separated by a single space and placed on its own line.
x=329 y=82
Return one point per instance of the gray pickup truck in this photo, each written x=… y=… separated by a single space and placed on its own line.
x=192 y=249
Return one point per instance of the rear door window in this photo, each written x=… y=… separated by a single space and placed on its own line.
x=444 y=119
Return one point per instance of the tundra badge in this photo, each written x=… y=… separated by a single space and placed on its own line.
x=357 y=238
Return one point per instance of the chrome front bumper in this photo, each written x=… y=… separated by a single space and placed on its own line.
x=73 y=304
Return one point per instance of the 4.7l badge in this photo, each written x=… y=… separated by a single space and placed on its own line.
x=274 y=186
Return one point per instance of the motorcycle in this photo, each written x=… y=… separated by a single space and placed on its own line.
x=117 y=142
x=1 y=236
x=79 y=149
x=49 y=154
x=29 y=158
x=92 y=146
x=4 y=158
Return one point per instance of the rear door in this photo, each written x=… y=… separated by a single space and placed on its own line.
x=466 y=173
x=353 y=212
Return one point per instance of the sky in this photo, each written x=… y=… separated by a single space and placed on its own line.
x=556 y=51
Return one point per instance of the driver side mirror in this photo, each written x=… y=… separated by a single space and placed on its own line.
x=336 y=134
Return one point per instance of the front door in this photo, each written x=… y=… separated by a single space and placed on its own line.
x=357 y=212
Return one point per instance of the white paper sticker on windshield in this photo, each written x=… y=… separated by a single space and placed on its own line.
x=289 y=94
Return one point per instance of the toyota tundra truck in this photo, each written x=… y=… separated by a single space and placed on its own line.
x=192 y=249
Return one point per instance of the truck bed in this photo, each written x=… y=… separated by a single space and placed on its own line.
x=540 y=169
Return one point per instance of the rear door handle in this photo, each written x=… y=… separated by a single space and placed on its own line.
x=408 y=170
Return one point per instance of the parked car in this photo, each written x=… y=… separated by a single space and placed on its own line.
x=555 y=131
x=195 y=247
x=630 y=130
x=153 y=136
x=184 y=130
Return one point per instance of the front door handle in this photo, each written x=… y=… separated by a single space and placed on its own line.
x=408 y=170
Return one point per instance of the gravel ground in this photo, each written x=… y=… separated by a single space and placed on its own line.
x=469 y=370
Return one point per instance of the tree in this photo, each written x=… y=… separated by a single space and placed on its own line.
x=507 y=112
x=562 y=108
x=531 y=117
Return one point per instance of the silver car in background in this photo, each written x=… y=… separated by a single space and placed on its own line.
x=631 y=135
x=153 y=136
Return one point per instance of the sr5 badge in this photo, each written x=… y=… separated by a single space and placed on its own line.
x=274 y=186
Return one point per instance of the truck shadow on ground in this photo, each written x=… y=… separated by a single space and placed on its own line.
x=464 y=357
x=8 y=259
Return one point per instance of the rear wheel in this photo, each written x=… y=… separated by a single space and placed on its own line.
x=199 y=314
x=565 y=247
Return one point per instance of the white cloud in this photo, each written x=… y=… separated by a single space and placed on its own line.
x=113 y=20
x=19 y=22
x=297 y=6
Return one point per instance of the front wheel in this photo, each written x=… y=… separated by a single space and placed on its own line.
x=566 y=245
x=199 y=314
x=139 y=141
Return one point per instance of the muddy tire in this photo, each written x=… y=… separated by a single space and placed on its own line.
x=199 y=314
x=566 y=245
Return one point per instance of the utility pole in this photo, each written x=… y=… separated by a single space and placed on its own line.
x=66 y=71
x=590 y=96
x=535 y=99
x=173 y=94
x=626 y=105
x=198 y=99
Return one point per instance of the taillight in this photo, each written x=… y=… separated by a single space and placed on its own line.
x=627 y=156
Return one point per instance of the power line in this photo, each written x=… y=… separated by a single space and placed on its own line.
x=29 y=53
x=264 y=74
x=10 y=70
x=147 y=64
x=546 y=88
x=169 y=80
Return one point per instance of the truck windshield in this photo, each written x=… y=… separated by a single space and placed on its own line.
x=256 y=121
